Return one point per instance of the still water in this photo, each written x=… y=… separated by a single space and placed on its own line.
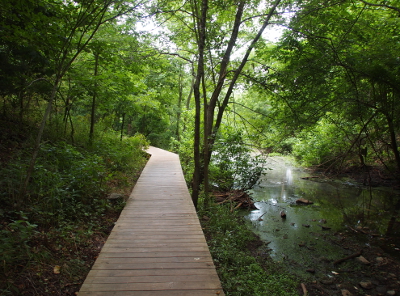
x=305 y=236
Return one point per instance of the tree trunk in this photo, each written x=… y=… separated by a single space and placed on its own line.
x=212 y=128
x=201 y=27
x=209 y=109
x=189 y=97
x=393 y=141
x=122 y=125
x=31 y=167
x=178 y=113
x=94 y=97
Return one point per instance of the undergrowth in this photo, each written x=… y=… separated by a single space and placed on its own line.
x=50 y=237
x=233 y=247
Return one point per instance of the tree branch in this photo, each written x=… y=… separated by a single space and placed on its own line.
x=178 y=55
x=381 y=5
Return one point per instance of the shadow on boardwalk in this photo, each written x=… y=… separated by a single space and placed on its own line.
x=157 y=246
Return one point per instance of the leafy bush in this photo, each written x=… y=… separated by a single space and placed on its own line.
x=121 y=155
x=14 y=239
x=184 y=146
x=69 y=182
x=233 y=165
x=65 y=206
x=321 y=145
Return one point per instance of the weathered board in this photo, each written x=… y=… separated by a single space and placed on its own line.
x=157 y=247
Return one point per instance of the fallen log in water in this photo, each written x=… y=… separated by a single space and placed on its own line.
x=304 y=201
x=347 y=258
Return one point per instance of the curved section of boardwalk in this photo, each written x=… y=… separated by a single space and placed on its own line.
x=157 y=246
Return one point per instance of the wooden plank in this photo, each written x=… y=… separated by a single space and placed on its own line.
x=189 y=259
x=155 y=245
x=121 y=234
x=151 y=249
x=108 y=264
x=155 y=293
x=175 y=285
x=157 y=234
x=159 y=225
x=153 y=272
x=134 y=240
x=151 y=279
x=155 y=254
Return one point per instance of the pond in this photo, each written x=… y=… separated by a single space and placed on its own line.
x=308 y=234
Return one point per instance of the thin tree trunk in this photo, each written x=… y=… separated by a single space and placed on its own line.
x=94 y=97
x=190 y=94
x=178 y=113
x=72 y=128
x=122 y=125
x=197 y=95
x=31 y=167
x=393 y=141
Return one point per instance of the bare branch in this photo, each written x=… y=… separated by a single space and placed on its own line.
x=252 y=110
x=178 y=55
x=381 y=5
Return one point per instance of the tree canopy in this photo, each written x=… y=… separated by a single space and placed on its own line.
x=159 y=67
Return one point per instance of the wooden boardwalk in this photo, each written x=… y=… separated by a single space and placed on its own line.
x=157 y=247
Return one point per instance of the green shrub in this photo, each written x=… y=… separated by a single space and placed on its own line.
x=122 y=155
x=184 y=146
x=14 y=239
x=233 y=166
x=324 y=144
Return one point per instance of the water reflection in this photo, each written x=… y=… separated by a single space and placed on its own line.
x=302 y=236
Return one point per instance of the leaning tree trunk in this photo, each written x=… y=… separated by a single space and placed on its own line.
x=212 y=128
x=35 y=153
x=201 y=25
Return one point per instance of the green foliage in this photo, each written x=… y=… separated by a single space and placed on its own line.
x=14 y=241
x=233 y=166
x=65 y=207
x=123 y=155
x=184 y=147
x=321 y=146
x=240 y=272
x=70 y=183
x=335 y=59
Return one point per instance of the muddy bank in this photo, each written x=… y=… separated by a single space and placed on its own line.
x=367 y=270
x=372 y=176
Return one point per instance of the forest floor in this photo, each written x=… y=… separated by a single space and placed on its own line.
x=60 y=260
x=46 y=277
